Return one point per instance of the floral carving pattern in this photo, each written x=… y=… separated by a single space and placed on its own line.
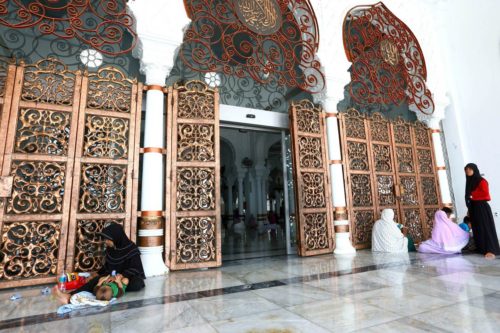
x=313 y=190
x=195 y=142
x=38 y=187
x=405 y=159
x=196 y=101
x=358 y=156
x=363 y=225
x=196 y=239
x=382 y=158
x=106 y=137
x=109 y=90
x=195 y=189
x=29 y=249
x=385 y=190
x=308 y=117
x=42 y=132
x=361 y=190
x=48 y=81
x=102 y=188
x=316 y=231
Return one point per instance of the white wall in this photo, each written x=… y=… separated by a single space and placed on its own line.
x=472 y=123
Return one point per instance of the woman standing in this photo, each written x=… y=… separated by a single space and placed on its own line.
x=477 y=196
x=121 y=256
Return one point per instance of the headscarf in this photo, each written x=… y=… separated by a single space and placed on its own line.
x=386 y=236
x=124 y=257
x=447 y=234
x=471 y=181
x=387 y=215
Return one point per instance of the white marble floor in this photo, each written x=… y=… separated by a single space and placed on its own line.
x=364 y=293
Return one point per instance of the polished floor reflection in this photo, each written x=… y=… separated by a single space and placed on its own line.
x=365 y=293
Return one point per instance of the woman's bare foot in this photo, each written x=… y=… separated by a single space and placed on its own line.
x=60 y=296
x=489 y=255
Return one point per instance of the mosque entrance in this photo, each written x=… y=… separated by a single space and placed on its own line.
x=256 y=193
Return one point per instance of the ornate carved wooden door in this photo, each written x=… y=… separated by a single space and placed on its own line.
x=369 y=163
x=193 y=181
x=417 y=187
x=312 y=190
x=107 y=146
x=39 y=154
x=70 y=150
x=388 y=165
x=7 y=77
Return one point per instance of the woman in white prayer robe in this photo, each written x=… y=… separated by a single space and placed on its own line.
x=386 y=235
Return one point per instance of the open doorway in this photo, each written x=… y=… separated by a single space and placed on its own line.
x=255 y=194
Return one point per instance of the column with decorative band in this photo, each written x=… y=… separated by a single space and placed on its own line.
x=342 y=235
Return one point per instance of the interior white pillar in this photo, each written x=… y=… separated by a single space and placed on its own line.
x=229 y=203
x=159 y=27
x=343 y=243
x=240 y=196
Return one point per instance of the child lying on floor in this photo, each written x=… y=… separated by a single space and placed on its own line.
x=110 y=287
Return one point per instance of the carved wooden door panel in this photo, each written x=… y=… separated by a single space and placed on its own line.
x=359 y=176
x=107 y=146
x=388 y=165
x=193 y=177
x=430 y=199
x=382 y=156
x=407 y=187
x=312 y=190
x=71 y=150
x=39 y=156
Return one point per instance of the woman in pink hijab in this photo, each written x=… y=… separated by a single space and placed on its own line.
x=447 y=237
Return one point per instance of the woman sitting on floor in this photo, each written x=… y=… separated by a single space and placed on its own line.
x=388 y=237
x=122 y=257
x=447 y=236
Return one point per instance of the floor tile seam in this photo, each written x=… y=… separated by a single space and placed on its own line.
x=163 y=299
x=288 y=309
x=405 y=317
x=417 y=313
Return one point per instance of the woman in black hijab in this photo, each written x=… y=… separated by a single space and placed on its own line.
x=477 y=196
x=121 y=256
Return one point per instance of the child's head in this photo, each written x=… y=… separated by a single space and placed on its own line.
x=104 y=293
x=448 y=211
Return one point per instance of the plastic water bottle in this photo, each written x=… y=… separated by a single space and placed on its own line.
x=62 y=282
x=113 y=273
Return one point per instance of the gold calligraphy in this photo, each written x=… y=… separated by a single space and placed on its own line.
x=389 y=52
x=260 y=16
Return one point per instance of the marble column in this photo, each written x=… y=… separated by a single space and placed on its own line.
x=240 y=196
x=341 y=222
x=160 y=30
x=151 y=226
x=229 y=203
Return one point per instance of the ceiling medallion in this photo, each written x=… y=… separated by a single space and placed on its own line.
x=390 y=52
x=260 y=16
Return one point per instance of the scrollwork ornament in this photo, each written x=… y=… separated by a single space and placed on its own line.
x=29 y=249
x=102 y=25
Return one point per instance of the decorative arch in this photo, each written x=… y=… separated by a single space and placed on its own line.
x=266 y=40
x=101 y=25
x=388 y=65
